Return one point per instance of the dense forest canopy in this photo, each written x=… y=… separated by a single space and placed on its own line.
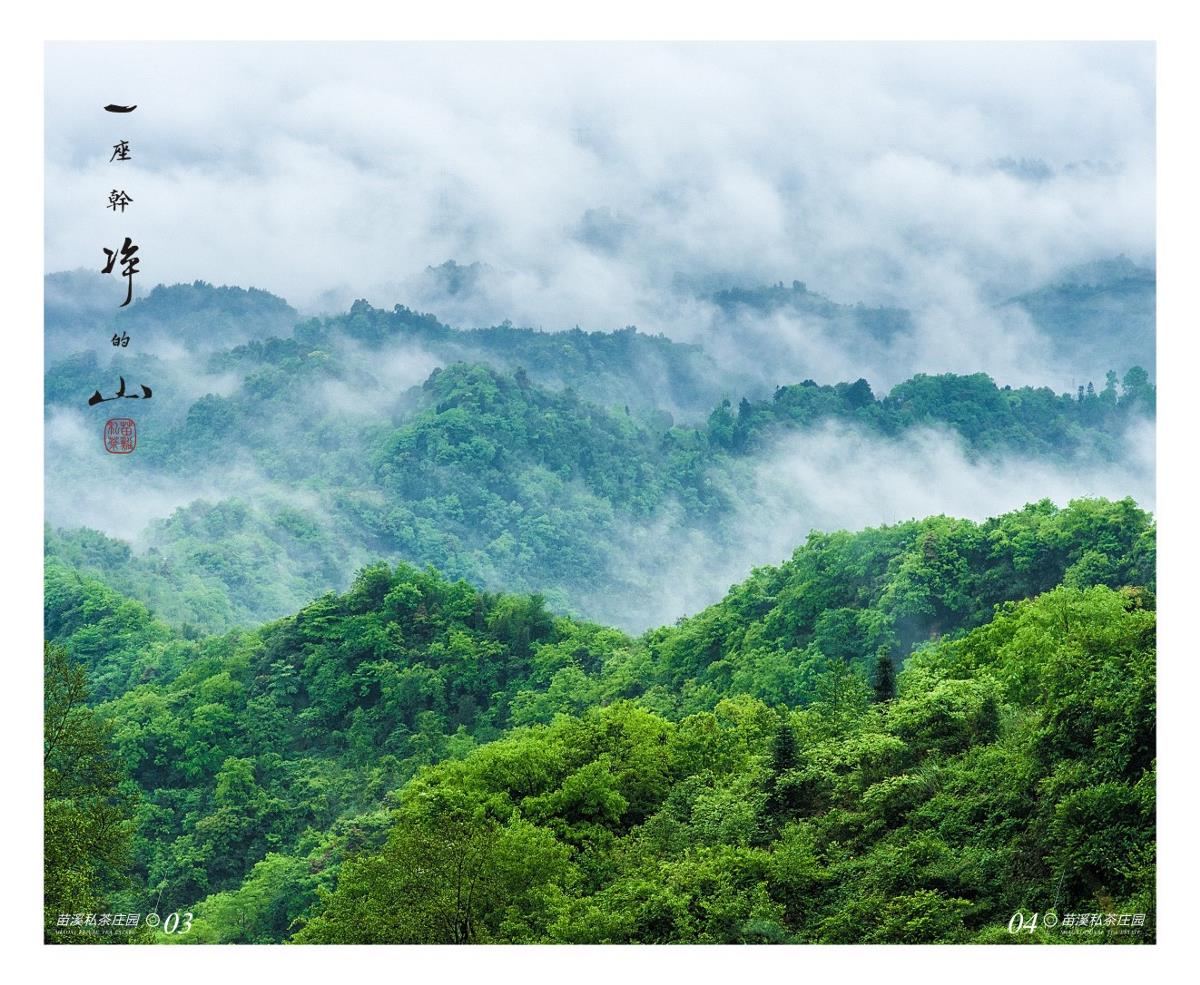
x=536 y=513
x=902 y=734
x=519 y=460
x=381 y=671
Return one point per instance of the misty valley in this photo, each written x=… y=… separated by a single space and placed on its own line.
x=444 y=634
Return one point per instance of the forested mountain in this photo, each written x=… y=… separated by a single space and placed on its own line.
x=280 y=454
x=310 y=465
x=902 y=734
x=243 y=330
x=859 y=322
x=78 y=308
x=600 y=494
x=402 y=656
x=1105 y=309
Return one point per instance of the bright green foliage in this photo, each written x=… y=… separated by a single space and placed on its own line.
x=416 y=760
x=119 y=641
x=904 y=734
x=1015 y=770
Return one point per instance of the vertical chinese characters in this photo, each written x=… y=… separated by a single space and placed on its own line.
x=120 y=433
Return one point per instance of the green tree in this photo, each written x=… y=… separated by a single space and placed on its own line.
x=883 y=680
x=87 y=831
x=451 y=873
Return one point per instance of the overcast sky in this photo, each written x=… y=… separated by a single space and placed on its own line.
x=589 y=177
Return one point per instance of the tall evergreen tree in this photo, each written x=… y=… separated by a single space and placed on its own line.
x=883 y=680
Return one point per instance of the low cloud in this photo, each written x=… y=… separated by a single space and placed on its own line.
x=587 y=176
x=838 y=478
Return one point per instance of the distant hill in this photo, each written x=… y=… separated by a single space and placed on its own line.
x=82 y=308
x=879 y=324
x=1101 y=313
x=489 y=476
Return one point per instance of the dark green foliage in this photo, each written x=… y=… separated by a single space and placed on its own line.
x=988 y=418
x=87 y=808
x=491 y=478
x=883 y=680
x=1103 y=311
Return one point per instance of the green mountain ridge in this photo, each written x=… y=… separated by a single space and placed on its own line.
x=364 y=679
x=903 y=734
x=1106 y=309
x=493 y=478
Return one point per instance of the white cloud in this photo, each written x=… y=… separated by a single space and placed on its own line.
x=862 y=169
x=839 y=478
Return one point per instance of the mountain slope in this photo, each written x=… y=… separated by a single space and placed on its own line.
x=264 y=758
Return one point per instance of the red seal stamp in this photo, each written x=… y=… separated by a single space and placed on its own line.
x=120 y=436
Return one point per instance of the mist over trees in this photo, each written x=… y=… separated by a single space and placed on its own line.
x=572 y=463
x=362 y=680
x=562 y=516
x=901 y=734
